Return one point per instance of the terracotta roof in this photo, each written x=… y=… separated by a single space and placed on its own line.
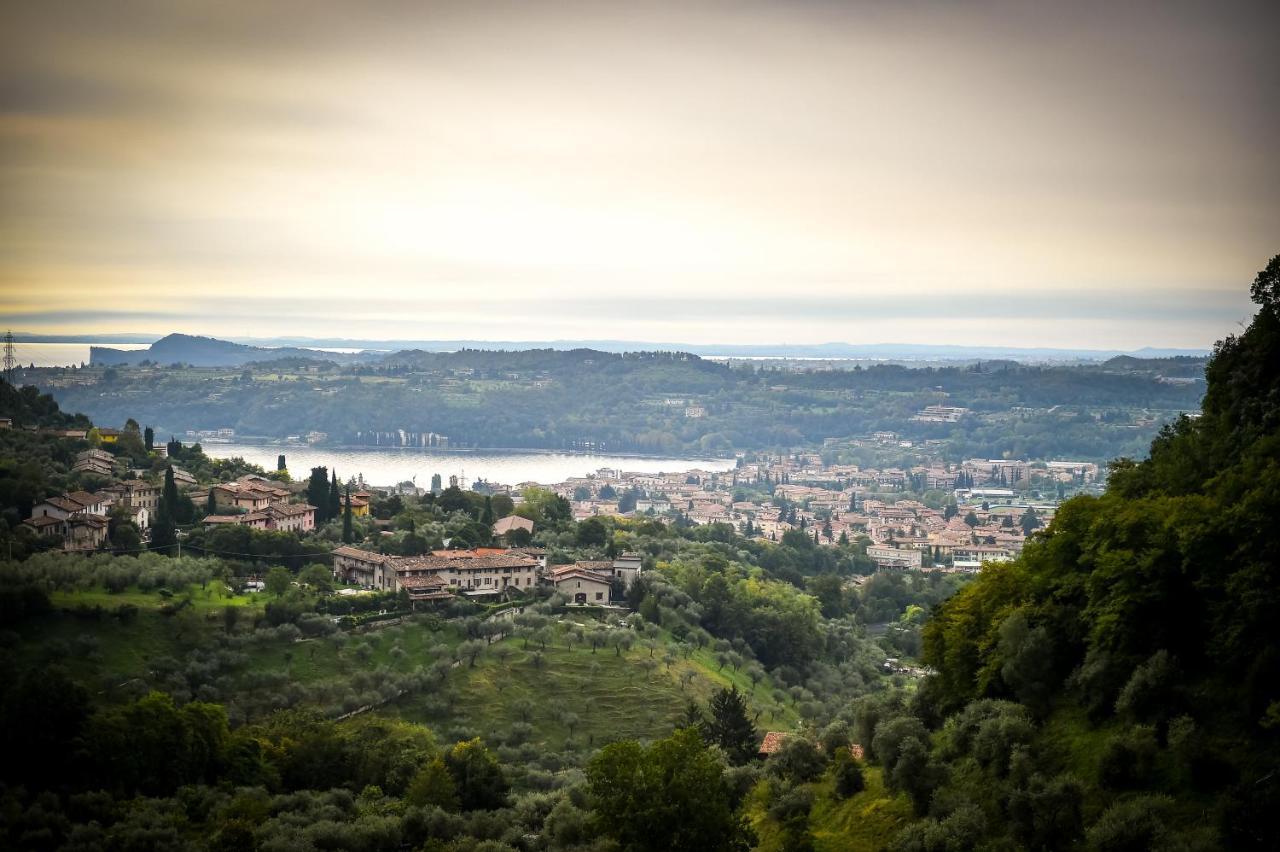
x=358 y=553
x=772 y=742
x=474 y=553
x=574 y=571
x=427 y=582
x=510 y=522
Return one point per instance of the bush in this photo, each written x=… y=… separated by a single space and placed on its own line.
x=797 y=761
x=847 y=773
x=1127 y=760
x=791 y=804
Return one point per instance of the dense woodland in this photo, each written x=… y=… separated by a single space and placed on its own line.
x=585 y=399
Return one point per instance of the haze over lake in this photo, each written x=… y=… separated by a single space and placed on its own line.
x=62 y=354
x=388 y=466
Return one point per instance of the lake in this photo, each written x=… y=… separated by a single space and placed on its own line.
x=62 y=354
x=388 y=466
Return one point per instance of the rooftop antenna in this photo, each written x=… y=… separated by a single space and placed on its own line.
x=10 y=360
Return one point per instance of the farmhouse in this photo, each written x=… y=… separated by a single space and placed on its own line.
x=581 y=584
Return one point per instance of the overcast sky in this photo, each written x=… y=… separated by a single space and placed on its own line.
x=1049 y=174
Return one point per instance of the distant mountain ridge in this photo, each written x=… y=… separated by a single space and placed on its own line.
x=213 y=352
x=205 y=352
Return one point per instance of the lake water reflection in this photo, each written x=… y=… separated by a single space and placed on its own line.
x=387 y=466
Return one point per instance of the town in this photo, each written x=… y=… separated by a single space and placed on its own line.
x=926 y=517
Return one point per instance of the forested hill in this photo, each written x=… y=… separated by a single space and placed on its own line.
x=658 y=402
x=1120 y=683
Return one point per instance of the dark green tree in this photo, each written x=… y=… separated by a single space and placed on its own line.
x=347 y=535
x=318 y=492
x=730 y=725
x=671 y=795
x=164 y=530
x=1030 y=521
x=149 y=439
x=334 y=499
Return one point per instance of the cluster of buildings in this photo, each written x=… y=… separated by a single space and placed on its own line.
x=259 y=503
x=834 y=502
x=79 y=518
x=483 y=572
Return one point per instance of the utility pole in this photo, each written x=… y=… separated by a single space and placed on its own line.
x=10 y=360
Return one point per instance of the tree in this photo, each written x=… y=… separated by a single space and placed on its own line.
x=164 y=532
x=280 y=463
x=347 y=535
x=278 y=580
x=318 y=493
x=333 y=502
x=433 y=786
x=1265 y=289
x=1029 y=521
x=848 y=776
x=210 y=503
x=730 y=726
x=169 y=495
x=971 y=519
x=591 y=532
x=798 y=760
x=317 y=576
x=480 y=781
x=149 y=439
x=671 y=795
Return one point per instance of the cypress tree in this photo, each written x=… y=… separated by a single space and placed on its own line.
x=149 y=438
x=280 y=465
x=210 y=503
x=346 y=519
x=318 y=492
x=164 y=532
x=170 y=494
x=334 y=504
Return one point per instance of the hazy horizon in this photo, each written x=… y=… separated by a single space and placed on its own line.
x=1079 y=176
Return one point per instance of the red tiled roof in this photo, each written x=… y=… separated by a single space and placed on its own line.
x=772 y=742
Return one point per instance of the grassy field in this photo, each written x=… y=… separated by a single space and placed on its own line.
x=213 y=595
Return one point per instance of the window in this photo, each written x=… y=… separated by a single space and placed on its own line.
x=599 y=595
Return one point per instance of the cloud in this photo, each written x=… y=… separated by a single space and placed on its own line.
x=796 y=162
